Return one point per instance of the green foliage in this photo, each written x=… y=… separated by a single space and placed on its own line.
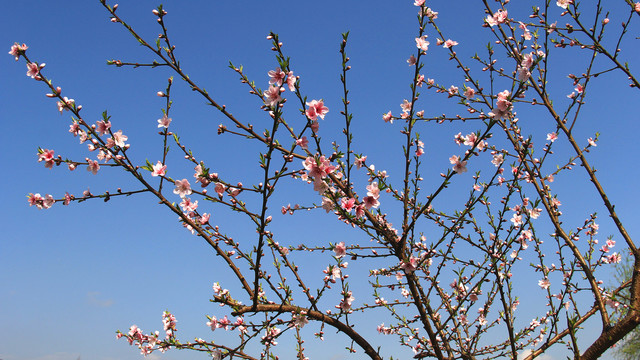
x=629 y=347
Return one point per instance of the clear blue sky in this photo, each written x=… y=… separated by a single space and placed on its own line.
x=71 y=276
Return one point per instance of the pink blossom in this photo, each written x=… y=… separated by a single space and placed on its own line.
x=299 y=320
x=164 y=121
x=360 y=211
x=272 y=96
x=291 y=81
x=74 y=128
x=93 y=166
x=516 y=219
x=412 y=60
x=219 y=189
x=523 y=73
x=340 y=249
x=360 y=161
x=422 y=43
x=591 y=142
x=169 y=321
x=387 y=117
x=406 y=105
x=159 y=169
x=500 y=16
x=497 y=160
x=41 y=202
x=419 y=148
x=102 y=127
x=316 y=109
x=212 y=323
x=188 y=205
x=527 y=33
x=613 y=258
x=636 y=8
x=204 y=218
x=527 y=60
x=183 y=188
x=271 y=335
x=458 y=166
x=534 y=213
x=612 y=303
x=428 y=12
x=34 y=199
x=47 y=157
x=17 y=50
x=345 y=304
x=373 y=190
x=503 y=105
x=370 y=202
x=564 y=3
x=224 y=323
x=419 y=2
x=409 y=266
x=449 y=43
x=552 y=137
x=302 y=142
x=32 y=70
x=217 y=288
x=327 y=204
x=491 y=20
x=347 y=204
x=318 y=169
x=469 y=93
x=497 y=18
x=315 y=126
x=453 y=90
x=470 y=139
x=65 y=104
x=276 y=77
x=119 y=138
x=544 y=283
x=84 y=137
x=67 y=199
x=235 y=191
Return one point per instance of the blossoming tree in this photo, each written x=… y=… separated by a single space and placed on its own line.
x=449 y=263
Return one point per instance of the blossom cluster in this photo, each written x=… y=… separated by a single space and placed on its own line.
x=147 y=343
x=317 y=170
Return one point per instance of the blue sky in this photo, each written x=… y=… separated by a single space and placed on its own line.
x=73 y=275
